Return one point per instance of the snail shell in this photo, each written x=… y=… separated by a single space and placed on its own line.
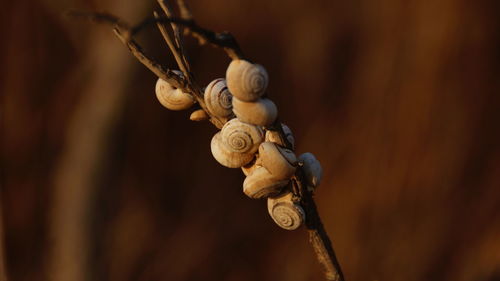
x=246 y=81
x=280 y=162
x=198 y=115
x=241 y=137
x=261 y=184
x=312 y=169
x=261 y=112
x=218 y=98
x=227 y=157
x=285 y=212
x=274 y=136
x=172 y=98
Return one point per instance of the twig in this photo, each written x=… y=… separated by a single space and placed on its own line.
x=186 y=15
x=317 y=234
x=178 y=51
x=172 y=45
x=165 y=74
x=224 y=40
x=185 y=11
x=165 y=6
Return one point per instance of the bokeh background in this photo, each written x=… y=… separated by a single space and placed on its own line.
x=399 y=100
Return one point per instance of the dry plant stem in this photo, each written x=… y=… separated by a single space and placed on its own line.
x=172 y=45
x=317 y=233
x=177 y=48
x=222 y=40
x=178 y=32
x=168 y=12
x=185 y=15
x=165 y=74
x=318 y=236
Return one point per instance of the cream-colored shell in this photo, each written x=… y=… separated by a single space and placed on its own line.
x=198 y=115
x=285 y=212
x=312 y=169
x=261 y=112
x=274 y=136
x=241 y=137
x=246 y=81
x=227 y=157
x=172 y=98
x=261 y=184
x=280 y=162
x=218 y=98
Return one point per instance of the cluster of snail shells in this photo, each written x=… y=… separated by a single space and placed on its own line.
x=244 y=142
x=248 y=82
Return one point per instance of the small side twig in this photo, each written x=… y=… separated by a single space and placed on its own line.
x=175 y=46
x=224 y=40
x=172 y=45
x=165 y=74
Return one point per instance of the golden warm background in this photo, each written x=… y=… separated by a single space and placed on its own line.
x=399 y=100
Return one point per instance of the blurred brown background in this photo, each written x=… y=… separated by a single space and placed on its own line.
x=399 y=100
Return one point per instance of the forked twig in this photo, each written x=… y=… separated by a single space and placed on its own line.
x=176 y=46
x=317 y=233
x=156 y=68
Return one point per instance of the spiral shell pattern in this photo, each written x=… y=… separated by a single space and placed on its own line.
x=241 y=137
x=218 y=98
x=226 y=156
x=246 y=81
x=287 y=215
x=172 y=98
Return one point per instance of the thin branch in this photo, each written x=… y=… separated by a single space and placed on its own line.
x=167 y=9
x=177 y=35
x=186 y=15
x=184 y=9
x=318 y=236
x=179 y=53
x=166 y=74
x=172 y=45
x=103 y=17
x=223 y=40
